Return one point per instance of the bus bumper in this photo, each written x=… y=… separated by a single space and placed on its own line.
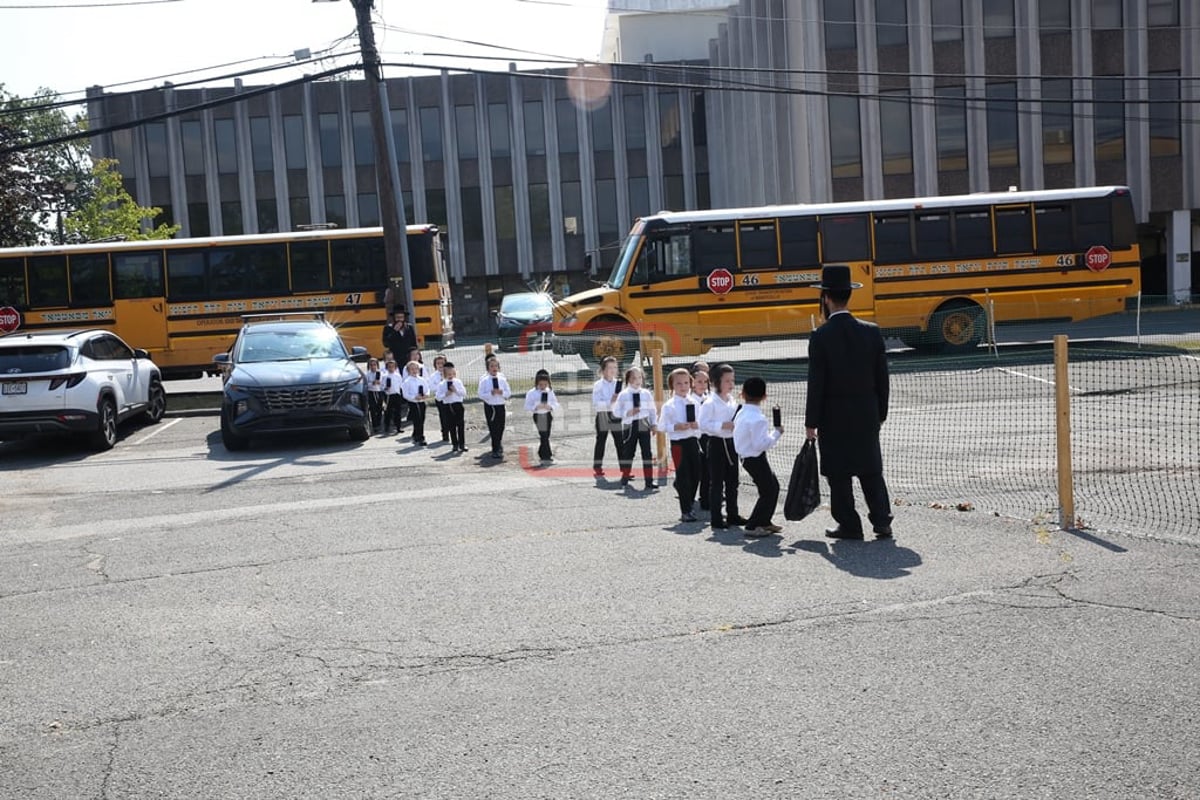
x=563 y=345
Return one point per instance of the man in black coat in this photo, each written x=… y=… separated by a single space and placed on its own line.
x=847 y=403
x=399 y=336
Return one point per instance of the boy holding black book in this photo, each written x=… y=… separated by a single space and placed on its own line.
x=679 y=420
x=635 y=409
x=540 y=400
x=494 y=392
x=753 y=436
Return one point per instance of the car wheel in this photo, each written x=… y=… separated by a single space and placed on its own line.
x=360 y=433
x=105 y=435
x=156 y=403
x=233 y=441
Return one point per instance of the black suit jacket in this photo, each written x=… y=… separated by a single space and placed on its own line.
x=847 y=395
x=400 y=342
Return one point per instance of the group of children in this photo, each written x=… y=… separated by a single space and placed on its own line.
x=709 y=432
x=394 y=396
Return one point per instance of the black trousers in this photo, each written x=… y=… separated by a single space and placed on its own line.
x=456 y=420
x=394 y=412
x=494 y=415
x=606 y=425
x=375 y=408
x=635 y=435
x=705 y=442
x=543 y=423
x=722 y=478
x=443 y=419
x=416 y=415
x=841 y=501
x=768 y=490
x=685 y=455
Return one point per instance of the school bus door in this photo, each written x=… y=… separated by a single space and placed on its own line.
x=142 y=322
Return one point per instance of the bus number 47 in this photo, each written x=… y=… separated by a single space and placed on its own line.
x=353 y=299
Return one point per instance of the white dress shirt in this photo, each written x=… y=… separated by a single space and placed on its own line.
x=451 y=391
x=674 y=411
x=716 y=412
x=485 y=389
x=645 y=410
x=533 y=399
x=603 y=392
x=752 y=432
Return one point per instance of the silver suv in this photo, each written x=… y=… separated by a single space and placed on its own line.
x=79 y=381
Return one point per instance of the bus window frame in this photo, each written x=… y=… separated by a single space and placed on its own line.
x=753 y=226
x=988 y=228
x=103 y=299
x=797 y=252
x=14 y=283
x=36 y=282
x=118 y=260
x=828 y=224
x=1063 y=245
x=998 y=213
x=901 y=254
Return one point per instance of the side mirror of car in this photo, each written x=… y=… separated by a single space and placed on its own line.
x=359 y=354
x=140 y=353
x=221 y=358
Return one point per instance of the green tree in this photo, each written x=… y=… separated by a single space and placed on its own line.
x=111 y=212
x=39 y=183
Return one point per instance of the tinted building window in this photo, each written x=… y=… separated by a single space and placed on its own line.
x=839 y=25
x=1054 y=16
x=1002 y=124
x=634 y=108
x=260 y=144
x=193 y=147
x=998 y=19
x=1109 y=111
x=1164 y=113
x=1107 y=14
x=568 y=128
x=1162 y=13
x=226 y=141
x=293 y=142
x=535 y=128
x=498 y=128
x=895 y=126
x=845 y=137
x=951 y=116
x=947 y=20
x=431 y=133
x=364 y=139
x=331 y=140
x=600 y=121
x=156 y=150
x=465 y=131
x=891 y=23
x=1058 y=126
x=399 y=119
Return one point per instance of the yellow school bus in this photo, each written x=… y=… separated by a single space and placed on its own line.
x=183 y=299
x=935 y=270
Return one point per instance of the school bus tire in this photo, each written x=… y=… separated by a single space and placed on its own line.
x=609 y=336
x=957 y=327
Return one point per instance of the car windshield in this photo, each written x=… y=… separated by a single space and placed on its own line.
x=33 y=358
x=524 y=303
x=290 y=345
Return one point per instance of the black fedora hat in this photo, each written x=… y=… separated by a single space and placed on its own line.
x=836 y=277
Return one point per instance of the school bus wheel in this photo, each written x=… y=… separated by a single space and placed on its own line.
x=957 y=327
x=609 y=337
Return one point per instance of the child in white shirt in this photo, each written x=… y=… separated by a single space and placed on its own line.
x=416 y=391
x=435 y=380
x=604 y=398
x=540 y=400
x=375 y=394
x=635 y=409
x=452 y=394
x=678 y=419
x=717 y=420
x=393 y=412
x=753 y=435
x=494 y=391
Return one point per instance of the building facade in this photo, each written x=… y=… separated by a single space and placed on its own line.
x=538 y=175
x=871 y=99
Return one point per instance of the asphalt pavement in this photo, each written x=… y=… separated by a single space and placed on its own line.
x=322 y=619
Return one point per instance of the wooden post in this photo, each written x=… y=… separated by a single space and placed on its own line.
x=1062 y=426
x=660 y=438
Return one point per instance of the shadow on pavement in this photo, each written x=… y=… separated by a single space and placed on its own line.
x=881 y=559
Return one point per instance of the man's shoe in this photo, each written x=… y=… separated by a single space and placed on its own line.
x=688 y=517
x=757 y=532
x=841 y=533
x=719 y=524
x=736 y=520
x=883 y=532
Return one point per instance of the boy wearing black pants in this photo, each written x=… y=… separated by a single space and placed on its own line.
x=752 y=437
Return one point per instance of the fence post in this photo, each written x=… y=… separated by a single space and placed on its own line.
x=1062 y=426
x=660 y=438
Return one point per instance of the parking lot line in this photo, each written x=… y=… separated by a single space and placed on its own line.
x=162 y=426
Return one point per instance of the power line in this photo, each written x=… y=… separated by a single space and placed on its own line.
x=89 y=5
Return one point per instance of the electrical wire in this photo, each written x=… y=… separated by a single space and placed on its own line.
x=116 y=4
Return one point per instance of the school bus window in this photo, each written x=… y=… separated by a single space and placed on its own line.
x=1014 y=231
x=420 y=260
x=932 y=234
x=1124 y=224
x=310 y=266
x=48 y=280
x=758 y=244
x=714 y=246
x=1053 y=227
x=973 y=234
x=12 y=282
x=846 y=238
x=1093 y=223
x=185 y=275
x=251 y=270
x=357 y=264
x=137 y=275
x=798 y=242
x=893 y=238
x=664 y=257
x=89 y=280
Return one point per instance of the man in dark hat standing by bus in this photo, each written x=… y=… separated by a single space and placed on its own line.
x=399 y=336
x=846 y=405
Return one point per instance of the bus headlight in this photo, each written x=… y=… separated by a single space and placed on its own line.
x=569 y=320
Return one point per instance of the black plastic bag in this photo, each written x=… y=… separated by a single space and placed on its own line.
x=804 y=487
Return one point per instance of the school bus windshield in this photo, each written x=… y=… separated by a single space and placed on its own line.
x=617 y=278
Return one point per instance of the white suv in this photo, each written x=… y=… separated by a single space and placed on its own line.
x=77 y=381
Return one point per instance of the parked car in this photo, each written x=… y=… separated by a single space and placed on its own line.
x=290 y=373
x=82 y=382
x=524 y=320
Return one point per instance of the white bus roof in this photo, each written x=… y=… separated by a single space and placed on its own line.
x=898 y=204
x=207 y=241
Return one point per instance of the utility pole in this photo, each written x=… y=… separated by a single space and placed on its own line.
x=395 y=238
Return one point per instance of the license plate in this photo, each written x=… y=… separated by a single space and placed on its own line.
x=16 y=387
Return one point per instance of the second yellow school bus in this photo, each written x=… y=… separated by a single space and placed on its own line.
x=183 y=299
x=934 y=270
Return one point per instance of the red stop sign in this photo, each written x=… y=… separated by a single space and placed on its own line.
x=10 y=319
x=720 y=281
x=1097 y=258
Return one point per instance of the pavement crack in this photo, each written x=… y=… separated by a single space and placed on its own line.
x=1058 y=589
x=106 y=778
